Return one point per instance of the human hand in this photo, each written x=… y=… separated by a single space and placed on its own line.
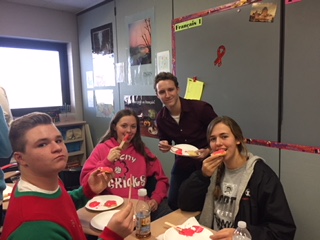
x=210 y=165
x=164 y=146
x=153 y=205
x=98 y=181
x=224 y=234
x=114 y=154
x=122 y=222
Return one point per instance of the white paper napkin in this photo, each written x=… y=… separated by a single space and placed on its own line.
x=187 y=224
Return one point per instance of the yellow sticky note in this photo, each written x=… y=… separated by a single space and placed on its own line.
x=194 y=89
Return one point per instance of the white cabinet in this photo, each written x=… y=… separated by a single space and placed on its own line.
x=74 y=136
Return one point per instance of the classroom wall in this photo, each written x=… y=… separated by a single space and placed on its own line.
x=245 y=87
x=103 y=15
x=297 y=170
x=22 y=21
x=92 y=19
x=301 y=71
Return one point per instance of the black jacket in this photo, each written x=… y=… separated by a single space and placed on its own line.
x=266 y=212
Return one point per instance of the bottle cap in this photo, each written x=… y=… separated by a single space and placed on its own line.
x=142 y=192
x=242 y=224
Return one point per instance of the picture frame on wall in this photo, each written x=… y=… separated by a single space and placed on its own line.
x=103 y=56
x=146 y=108
x=140 y=54
x=102 y=39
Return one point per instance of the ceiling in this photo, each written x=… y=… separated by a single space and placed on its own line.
x=73 y=6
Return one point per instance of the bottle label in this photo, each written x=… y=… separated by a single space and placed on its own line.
x=143 y=224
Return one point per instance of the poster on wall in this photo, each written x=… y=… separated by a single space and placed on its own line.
x=140 y=53
x=120 y=72
x=103 y=56
x=89 y=79
x=90 y=97
x=263 y=12
x=104 y=103
x=163 y=62
x=140 y=42
x=147 y=108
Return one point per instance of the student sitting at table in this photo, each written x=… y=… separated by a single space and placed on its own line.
x=237 y=187
x=132 y=161
x=40 y=207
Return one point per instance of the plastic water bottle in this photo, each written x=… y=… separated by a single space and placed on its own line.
x=143 y=229
x=242 y=233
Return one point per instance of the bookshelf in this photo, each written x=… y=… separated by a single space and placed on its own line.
x=74 y=136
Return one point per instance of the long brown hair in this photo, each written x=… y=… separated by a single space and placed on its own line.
x=237 y=133
x=136 y=141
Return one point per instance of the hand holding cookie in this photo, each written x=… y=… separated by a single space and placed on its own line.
x=106 y=170
x=219 y=153
x=211 y=163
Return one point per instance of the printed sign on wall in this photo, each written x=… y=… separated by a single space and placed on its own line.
x=147 y=108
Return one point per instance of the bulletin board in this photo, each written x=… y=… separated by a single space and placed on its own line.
x=246 y=84
x=301 y=99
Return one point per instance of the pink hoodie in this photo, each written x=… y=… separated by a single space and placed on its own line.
x=130 y=162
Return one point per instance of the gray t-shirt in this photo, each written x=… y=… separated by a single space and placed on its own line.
x=225 y=205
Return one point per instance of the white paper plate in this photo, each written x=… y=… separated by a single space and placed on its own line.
x=102 y=219
x=6 y=193
x=98 y=203
x=184 y=149
x=173 y=234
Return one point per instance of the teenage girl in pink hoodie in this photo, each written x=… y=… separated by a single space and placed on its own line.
x=134 y=158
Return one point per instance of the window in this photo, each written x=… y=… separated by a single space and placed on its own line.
x=34 y=74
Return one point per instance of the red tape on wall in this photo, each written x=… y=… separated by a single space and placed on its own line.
x=284 y=146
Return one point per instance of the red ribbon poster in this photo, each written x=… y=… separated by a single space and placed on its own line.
x=220 y=52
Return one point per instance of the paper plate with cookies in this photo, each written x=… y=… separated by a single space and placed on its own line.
x=186 y=150
x=104 y=202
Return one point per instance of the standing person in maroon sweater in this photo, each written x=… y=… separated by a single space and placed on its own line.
x=40 y=207
x=182 y=121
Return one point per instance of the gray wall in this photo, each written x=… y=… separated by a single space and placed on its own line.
x=301 y=69
x=296 y=170
x=245 y=86
x=23 y=21
x=86 y=22
x=300 y=171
